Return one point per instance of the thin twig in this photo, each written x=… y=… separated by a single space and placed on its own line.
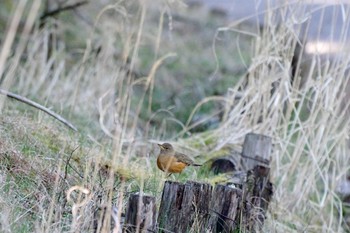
x=61 y=9
x=38 y=106
x=261 y=160
x=68 y=164
x=223 y=216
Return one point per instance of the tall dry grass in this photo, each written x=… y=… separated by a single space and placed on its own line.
x=309 y=124
x=308 y=120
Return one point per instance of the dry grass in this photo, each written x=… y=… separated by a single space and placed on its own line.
x=124 y=91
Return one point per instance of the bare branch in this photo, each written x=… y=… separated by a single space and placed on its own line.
x=37 y=106
x=61 y=9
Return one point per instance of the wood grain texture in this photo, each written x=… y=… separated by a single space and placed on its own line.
x=224 y=209
x=256 y=151
x=140 y=214
x=184 y=207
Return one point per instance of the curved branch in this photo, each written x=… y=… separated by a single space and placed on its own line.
x=38 y=106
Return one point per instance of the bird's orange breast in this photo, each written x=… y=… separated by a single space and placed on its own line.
x=170 y=164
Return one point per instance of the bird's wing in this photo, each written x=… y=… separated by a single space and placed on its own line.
x=184 y=158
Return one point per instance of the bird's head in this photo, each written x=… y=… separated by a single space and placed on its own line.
x=166 y=147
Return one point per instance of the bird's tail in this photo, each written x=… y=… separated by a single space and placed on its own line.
x=197 y=165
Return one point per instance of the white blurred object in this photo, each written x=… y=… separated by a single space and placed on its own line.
x=118 y=223
x=343 y=187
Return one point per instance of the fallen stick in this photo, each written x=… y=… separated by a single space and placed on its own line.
x=62 y=9
x=38 y=106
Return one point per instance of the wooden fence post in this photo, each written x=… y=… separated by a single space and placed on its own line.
x=224 y=209
x=257 y=190
x=256 y=151
x=140 y=214
x=184 y=207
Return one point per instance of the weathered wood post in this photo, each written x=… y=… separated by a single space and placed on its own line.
x=224 y=209
x=256 y=151
x=184 y=207
x=140 y=214
x=104 y=217
x=257 y=190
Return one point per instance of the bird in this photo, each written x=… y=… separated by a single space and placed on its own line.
x=171 y=161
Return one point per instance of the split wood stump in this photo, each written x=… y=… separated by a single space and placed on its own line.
x=184 y=207
x=224 y=209
x=140 y=214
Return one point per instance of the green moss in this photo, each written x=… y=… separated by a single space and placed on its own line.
x=198 y=140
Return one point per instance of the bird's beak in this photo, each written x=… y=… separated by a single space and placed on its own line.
x=160 y=146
